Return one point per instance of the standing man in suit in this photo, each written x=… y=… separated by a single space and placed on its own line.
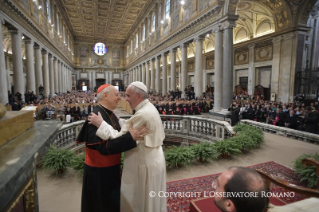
x=90 y=108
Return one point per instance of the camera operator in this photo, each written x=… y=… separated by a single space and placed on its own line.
x=234 y=114
x=41 y=91
x=291 y=120
x=311 y=120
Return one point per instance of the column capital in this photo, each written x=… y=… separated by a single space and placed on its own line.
x=289 y=36
x=164 y=54
x=2 y=21
x=50 y=55
x=173 y=50
x=228 y=24
x=44 y=51
x=28 y=41
x=199 y=38
x=184 y=45
x=217 y=29
x=277 y=39
x=15 y=31
x=251 y=46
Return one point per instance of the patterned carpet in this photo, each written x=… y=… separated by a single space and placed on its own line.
x=200 y=187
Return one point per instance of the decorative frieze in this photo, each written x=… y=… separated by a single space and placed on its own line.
x=263 y=53
x=241 y=58
x=210 y=63
x=191 y=67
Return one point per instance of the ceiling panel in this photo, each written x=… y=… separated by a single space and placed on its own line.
x=105 y=20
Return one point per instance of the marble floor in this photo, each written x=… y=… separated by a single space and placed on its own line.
x=63 y=193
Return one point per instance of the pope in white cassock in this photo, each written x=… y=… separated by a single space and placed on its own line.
x=144 y=166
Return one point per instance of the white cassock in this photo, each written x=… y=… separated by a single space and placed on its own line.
x=144 y=166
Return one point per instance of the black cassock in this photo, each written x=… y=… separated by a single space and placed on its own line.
x=101 y=179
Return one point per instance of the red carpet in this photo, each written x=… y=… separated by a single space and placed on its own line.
x=198 y=189
x=208 y=205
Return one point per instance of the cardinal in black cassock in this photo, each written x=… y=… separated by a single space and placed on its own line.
x=101 y=179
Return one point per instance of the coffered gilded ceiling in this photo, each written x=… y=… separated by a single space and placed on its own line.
x=102 y=20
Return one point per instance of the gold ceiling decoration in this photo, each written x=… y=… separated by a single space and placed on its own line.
x=103 y=20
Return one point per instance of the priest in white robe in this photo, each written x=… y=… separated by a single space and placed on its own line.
x=144 y=173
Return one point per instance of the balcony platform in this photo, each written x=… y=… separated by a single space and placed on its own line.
x=18 y=185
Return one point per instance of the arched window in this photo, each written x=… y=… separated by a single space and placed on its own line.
x=48 y=11
x=153 y=24
x=136 y=40
x=143 y=35
x=167 y=8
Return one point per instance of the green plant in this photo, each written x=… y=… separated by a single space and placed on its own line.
x=204 y=151
x=239 y=127
x=306 y=173
x=179 y=156
x=57 y=159
x=77 y=164
x=228 y=147
x=245 y=141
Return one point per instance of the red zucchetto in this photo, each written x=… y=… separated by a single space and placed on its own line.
x=101 y=88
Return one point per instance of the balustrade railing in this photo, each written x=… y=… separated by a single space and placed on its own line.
x=284 y=131
x=188 y=127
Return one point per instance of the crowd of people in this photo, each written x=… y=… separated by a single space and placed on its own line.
x=294 y=115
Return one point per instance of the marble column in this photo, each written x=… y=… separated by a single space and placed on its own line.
x=147 y=75
x=139 y=73
x=173 y=69
x=133 y=71
x=46 y=77
x=184 y=72
x=38 y=68
x=60 y=76
x=51 y=74
x=152 y=74
x=56 y=74
x=8 y=73
x=158 y=76
x=228 y=66
x=275 y=70
x=63 y=78
x=287 y=72
x=251 y=70
x=143 y=74
x=3 y=72
x=131 y=74
x=94 y=80
x=18 y=75
x=198 y=78
x=29 y=53
x=164 y=73
x=218 y=69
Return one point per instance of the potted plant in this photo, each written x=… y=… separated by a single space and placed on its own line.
x=227 y=147
x=256 y=134
x=305 y=173
x=204 y=151
x=57 y=159
x=239 y=127
x=77 y=164
x=245 y=141
x=179 y=156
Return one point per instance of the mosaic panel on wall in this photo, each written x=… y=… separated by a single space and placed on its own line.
x=191 y=67
x=263 y=53
x=241 y=58
x=210 y=63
